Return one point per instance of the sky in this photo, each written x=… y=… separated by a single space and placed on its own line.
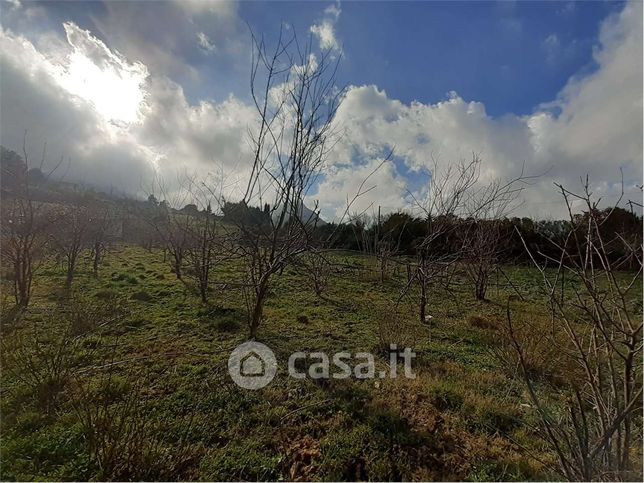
x=132 y=92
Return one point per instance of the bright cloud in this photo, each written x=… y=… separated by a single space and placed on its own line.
x=122 y=119
x=325 y=29
x=96 y=74
x=47 y=96
x=594 y=127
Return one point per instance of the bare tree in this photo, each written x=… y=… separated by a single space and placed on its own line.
x=481 y=247
x=600 y=431
x=70 y=235
x=203 y=246
x=377 y=240
x=446 y=197
x=176 y=241
x=481 y=230
x=171 y=222
x=101 y=222
x=295 y=97
x=454 y=194
x=24 y=225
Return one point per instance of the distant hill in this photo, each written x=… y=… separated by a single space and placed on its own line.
x=45 y=187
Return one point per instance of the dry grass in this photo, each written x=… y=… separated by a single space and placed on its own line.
x=542 y=343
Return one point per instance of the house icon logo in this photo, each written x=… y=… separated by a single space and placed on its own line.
x=252 y=365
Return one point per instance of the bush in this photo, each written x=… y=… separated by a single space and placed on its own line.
x=86 y=315
x=43 y=354
x=544 y=360
x=392 y=328
x=122 y=440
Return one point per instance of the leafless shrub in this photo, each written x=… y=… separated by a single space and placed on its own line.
x=481 y=252
x=202 y=249
x=23 y=244
x=44 y=353
x=102 y=230
x=189 y=233
x=446 y=197
x=392 y=327
x=176 y=241
x=87 y=315
x=43 y=363
x=599 y=433
x=481 y=233
x=317 y=268
x=543 y=360
x=171 y=223
x=123 y=442
x=455 y=193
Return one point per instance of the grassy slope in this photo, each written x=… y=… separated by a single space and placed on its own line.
x=461 y=418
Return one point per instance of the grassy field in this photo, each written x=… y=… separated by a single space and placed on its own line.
x=147 y=394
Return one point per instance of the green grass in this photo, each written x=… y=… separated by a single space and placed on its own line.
x=460 y=418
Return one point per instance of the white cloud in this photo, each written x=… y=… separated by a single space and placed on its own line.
x=551 y=45
x=99 y=76
x=324 y=30
x=567 y=8
x=223 y=8
x=594 y=127
x=170 y=135
x=325 y=33
x=334 y=10
x=352 y=190
x=204 y=42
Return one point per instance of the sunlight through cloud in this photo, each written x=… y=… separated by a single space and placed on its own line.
x=97 y=75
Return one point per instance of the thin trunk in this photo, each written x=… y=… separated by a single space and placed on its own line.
x=258 y=309
x=176 y=266
x=97 y=258
x=71 y=266
x=423 y=301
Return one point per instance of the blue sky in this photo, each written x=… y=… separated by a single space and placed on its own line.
x=150 y=88
x=421 y=50
x=482 y=50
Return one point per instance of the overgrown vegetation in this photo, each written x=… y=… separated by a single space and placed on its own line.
x=150 y=382
x=118 y=317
